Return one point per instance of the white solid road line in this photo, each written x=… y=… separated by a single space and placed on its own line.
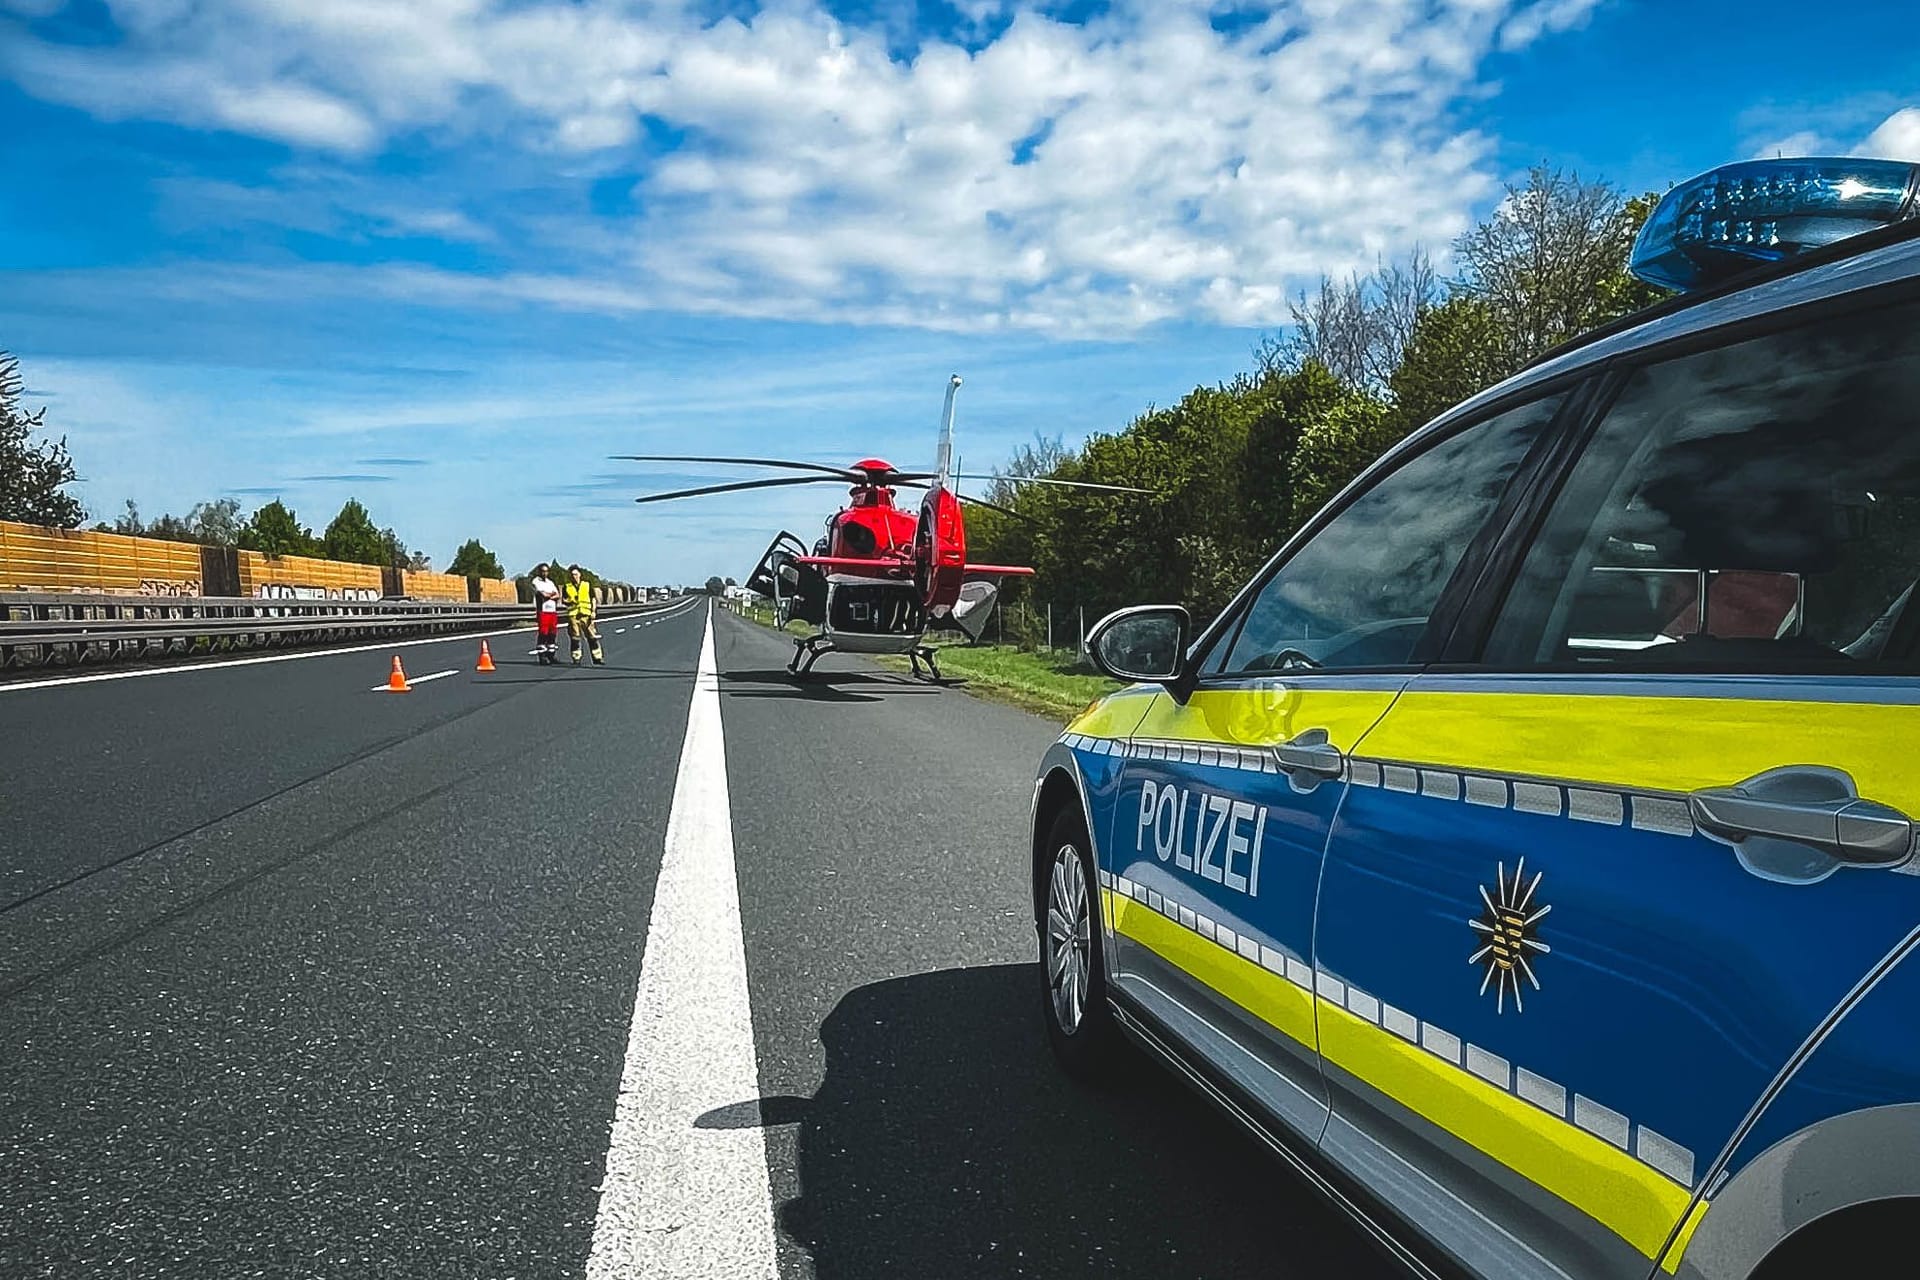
x=680 y=1201
x=223 y=663
x=413 y=680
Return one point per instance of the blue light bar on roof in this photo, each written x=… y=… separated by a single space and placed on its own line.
x=1741 y=215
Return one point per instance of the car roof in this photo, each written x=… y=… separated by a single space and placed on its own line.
x=1778 y=288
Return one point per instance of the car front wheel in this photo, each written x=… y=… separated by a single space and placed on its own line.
x=1072 y=960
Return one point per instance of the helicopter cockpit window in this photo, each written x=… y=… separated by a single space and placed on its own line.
x=1750 y=508
x=1358 y=594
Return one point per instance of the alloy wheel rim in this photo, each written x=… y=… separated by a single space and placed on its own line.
x=1069 y=939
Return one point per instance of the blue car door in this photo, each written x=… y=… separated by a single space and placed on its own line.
x=1608 y=877
x=1228 y=791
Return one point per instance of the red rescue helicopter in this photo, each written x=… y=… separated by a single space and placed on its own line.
x=881 y=577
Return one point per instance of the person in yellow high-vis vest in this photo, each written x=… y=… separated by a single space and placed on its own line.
x=578 y=594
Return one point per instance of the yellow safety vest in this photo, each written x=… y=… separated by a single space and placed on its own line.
x=579 y=597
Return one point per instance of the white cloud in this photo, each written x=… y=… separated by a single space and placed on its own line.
x=1069 y=178
x=1544 y=17
x=1897 y=138
x=440 y=224
x=1805 y=142
x=319 y=199
x=291 y=113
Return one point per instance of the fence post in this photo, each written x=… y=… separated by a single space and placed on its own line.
x=1049 y=626
x=1082 y=610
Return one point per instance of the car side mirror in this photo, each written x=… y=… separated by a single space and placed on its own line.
x=1145 y=643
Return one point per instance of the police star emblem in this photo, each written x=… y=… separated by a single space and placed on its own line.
x=1506 y=931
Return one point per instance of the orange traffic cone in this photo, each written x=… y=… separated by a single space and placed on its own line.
x=397 y=680
x=486 y=658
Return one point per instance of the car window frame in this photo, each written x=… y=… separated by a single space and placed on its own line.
x=1482 y=604
x=1571 y=385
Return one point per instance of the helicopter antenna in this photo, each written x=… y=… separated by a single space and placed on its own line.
x=943 y=458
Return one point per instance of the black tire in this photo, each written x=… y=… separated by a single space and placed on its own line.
x=1865 y=1240
x=1091 y=1049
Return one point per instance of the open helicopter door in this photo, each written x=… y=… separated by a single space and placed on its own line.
x=797 y=590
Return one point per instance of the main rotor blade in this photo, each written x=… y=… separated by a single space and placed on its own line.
x=783 y=463
x=1066 y=484
x=994 y=506
x=852 y=475
x=737 y=485
x=978 y=502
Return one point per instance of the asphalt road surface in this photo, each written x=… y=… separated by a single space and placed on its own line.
x=302 y=979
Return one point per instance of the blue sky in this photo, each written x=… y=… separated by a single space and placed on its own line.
x=447 y=255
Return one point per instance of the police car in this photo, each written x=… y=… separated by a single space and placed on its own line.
x=1527 y=853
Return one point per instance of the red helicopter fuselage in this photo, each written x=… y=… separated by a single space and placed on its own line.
x=871 y=528
x=872 y=538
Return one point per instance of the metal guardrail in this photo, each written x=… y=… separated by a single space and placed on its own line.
x=65 y=630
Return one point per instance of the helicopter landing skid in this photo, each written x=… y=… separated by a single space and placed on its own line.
x=806 y=652
x=924 y=653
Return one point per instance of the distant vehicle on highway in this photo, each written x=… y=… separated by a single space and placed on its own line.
x=1528 y=853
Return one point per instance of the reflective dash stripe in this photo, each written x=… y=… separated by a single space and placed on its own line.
x=1664 y=813
x=1604 y=1181
x=1279 y=1003
x=1257 y=718
x=1702 y=741
x=1626 y=1177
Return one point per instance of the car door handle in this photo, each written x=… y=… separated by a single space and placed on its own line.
x=1808 y=805
x=1310 y=755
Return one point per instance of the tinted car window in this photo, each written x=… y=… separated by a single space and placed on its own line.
x=1359 y=592
x=1755 y=507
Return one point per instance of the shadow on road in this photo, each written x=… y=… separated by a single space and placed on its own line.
x=945 y=1142
x=818 y=686
x=563 y=673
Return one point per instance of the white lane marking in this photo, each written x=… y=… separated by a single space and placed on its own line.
x=413 y=680
x=223 y=663
x=680 y=1201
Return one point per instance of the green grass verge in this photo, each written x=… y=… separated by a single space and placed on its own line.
x=1053 y=684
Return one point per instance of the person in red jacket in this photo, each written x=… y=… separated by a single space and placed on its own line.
x=546 y=603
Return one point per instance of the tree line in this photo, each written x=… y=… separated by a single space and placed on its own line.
x=274 y=529
x=34 y=473
x=1237 y=467
x=558 y=568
